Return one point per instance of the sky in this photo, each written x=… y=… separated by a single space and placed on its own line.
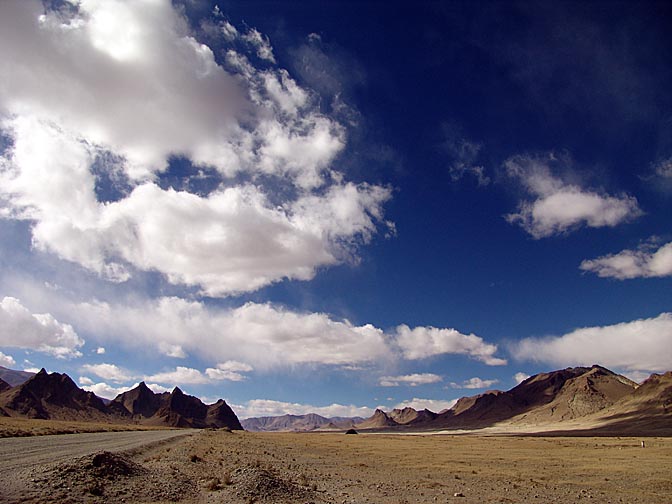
x=334 y=206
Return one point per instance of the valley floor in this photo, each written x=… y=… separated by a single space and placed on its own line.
x=240 y=467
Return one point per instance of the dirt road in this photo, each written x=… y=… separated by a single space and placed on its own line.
x=18 y=456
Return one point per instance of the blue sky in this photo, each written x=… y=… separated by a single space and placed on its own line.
x=334 y=206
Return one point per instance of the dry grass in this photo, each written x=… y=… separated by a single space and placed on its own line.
x=21 y=427
x=334 y=468
x=389 y=468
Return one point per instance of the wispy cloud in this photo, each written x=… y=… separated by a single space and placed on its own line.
x=474 y=383
x=558 y=206
x=412 y=380
x=645 y=262
x=6 y=360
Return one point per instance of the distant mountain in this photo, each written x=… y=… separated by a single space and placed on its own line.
x=56 y=396
x=175 y=409
x=13 y=377
x=52 y=396
x=298 y=423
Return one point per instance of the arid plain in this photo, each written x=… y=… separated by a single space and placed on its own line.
x=212 y=466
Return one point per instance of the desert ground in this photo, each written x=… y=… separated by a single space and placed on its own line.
x=217 y=466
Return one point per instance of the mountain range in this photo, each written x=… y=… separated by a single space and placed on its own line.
x=581 y=399
x=592 y=400
x=55 y=396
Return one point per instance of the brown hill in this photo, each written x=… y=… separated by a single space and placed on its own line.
x=379 y=420
x=647 y=411
x=583 y=395
x=52 y=396
x=403 y=416
x=547 y=397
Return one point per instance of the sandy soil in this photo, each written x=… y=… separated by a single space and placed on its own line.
x=242 y=467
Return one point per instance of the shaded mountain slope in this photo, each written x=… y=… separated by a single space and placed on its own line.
x=52 y=396
x=4 y=385
x=174 y=409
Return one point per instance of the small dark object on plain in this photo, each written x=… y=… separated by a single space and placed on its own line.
x=351 y=431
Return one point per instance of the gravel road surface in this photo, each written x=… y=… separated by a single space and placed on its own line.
x=19 y=455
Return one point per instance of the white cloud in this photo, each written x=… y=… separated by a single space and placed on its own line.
x=412 y=380
x=645 y=262
x=41 y=331
x=106 y=81
x=181 y=375
x=229 y=370
x=644 y=344
x=6 y=360
x=520 y=377
x=106 y=371
x=260 y=43
x=104 y=390
x=262 y=335
x=435 y=405
x=559 y=207
x=423 y=342
x=169 y=350
x=100 y=350
x=474 y=383
x=268 y=407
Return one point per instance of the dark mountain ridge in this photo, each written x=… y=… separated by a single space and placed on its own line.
x=56 y=396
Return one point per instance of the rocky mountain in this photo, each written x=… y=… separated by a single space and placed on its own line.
x=546 y=397
x=410 y=416
x=13 y=377
x=379 y=420
x=175 y=409
x=298 y=423
x=52 y=396
x=647 y=411
x=56 y=396
x=140 y=401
